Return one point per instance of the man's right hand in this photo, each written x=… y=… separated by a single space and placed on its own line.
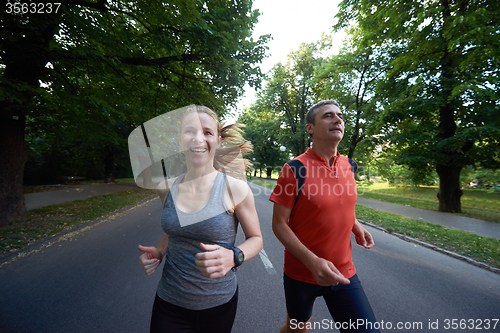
x=150 y=259
x=325 y=273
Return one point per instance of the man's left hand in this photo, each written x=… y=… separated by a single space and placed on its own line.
x=363 y=237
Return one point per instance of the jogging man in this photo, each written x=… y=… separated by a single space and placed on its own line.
x=314 y=215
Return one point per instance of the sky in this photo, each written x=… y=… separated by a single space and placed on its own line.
x=291 y=22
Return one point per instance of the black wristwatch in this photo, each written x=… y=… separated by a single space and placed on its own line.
x=239 y=257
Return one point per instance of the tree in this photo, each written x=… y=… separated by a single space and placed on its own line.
x=101 y=60
x=290 y=92
x=441 y=95
x=263 y=130
x=350 y=78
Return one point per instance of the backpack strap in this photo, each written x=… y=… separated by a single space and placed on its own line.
x=299 y=170
x=354 y=166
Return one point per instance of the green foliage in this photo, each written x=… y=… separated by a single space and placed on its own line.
x=263 y=130
x=441 y=95
x=429 y=47
x=481 y=178
x=350 y=78
x=111 y=66
x=401 y=174
x=288 y=93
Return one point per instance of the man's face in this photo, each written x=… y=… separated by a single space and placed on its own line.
x=329 y=124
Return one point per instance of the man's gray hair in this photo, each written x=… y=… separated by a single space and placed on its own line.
x=311 y=114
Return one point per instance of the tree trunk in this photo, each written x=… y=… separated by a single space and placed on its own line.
x=352 y=146
x=449 y=188
x=451 y=165
x=13 y=157
x=109 y=164
x=269 y=171
x=24 y=57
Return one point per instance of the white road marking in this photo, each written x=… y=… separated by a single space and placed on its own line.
x=267 y=263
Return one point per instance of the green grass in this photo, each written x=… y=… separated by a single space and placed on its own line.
x=263 y=183
x=480 y=248
x=47 y=221
x=483 y=249
x=479 y=204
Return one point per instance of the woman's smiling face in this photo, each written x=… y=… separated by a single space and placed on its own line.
x=199 y=137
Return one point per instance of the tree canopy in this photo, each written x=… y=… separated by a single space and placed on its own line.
x=263 y=129
x=84 y=77
x=350 y=78
x=288 y=93
x=440 y=94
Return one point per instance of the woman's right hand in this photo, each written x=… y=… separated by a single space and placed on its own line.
x=150 y=259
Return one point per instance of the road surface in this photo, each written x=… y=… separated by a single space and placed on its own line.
x=92 y=282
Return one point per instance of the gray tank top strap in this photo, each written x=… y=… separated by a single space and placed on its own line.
x=216 y=203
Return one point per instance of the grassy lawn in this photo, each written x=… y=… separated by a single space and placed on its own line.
x=479 y=204
x=480 y=248
x=47 y=221
x=483 y=249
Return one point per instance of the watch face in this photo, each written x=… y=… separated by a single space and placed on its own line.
x=240 y=257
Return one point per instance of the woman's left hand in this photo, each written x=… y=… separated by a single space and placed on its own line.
x=215 y=262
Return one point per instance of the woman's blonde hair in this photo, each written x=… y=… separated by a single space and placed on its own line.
x=229 y=157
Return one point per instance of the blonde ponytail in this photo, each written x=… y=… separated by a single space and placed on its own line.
x=229 y=158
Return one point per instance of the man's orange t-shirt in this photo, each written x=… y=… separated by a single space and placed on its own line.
x=324 y=215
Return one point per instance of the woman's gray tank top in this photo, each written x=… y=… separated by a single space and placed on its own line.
x=182 y=283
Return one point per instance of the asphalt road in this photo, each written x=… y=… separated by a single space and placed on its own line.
x=92 y=282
